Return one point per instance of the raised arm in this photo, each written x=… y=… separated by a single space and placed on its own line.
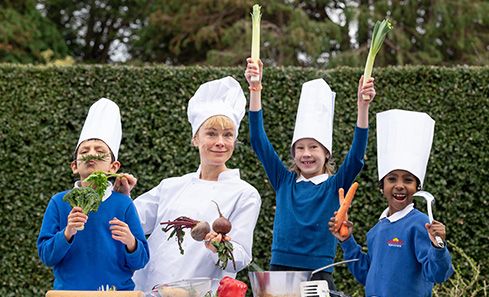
x=254 y=69
x=363 y=105
x=353 y=163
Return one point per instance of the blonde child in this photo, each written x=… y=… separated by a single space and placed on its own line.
x=308 y=193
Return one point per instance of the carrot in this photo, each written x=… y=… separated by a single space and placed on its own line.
x=342 y=214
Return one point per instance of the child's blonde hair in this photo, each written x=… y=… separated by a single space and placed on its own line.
x=328 y=166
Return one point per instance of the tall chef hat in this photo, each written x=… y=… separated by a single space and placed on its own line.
x=217 y=97
x=315 y=113
x=404 y=141
x=103 y=122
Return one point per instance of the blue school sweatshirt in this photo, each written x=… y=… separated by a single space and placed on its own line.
x=92 y=259
x=401 y=260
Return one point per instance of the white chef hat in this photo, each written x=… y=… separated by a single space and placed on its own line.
x=404 y=141
x=103 y=122
x=217 y=97
x=315 y=113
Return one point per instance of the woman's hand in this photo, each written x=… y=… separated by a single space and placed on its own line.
x=253 y=69
x=76 y=220
x=125 y=183
x=121 y=232
x=214 y=237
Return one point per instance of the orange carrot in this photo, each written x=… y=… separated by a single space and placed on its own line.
x=342 y=214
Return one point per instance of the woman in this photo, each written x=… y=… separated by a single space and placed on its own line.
x=215 y=112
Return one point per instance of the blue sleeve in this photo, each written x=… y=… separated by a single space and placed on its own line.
x=354 y=160
x=52 y=245
x=352 y=250
x=140 y=256
x=436 y=262
x=274 y=167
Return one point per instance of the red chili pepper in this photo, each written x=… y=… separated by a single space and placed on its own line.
x=230 y=287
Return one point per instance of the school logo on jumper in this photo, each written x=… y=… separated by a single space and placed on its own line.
x=395 y=242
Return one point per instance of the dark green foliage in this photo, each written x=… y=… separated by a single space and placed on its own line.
x=25 y=34
x=42 y=112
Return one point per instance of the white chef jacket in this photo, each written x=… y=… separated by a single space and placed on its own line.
x=192 y=197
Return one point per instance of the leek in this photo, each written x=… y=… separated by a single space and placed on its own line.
x=380 y=31
x=255 y=37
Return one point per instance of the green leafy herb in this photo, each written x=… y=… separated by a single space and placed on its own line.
x=99 y=180
x=89 y=198
x=224 y=253
x=84 y=197
x=97 y=157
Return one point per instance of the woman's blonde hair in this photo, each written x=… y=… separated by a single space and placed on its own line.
x=328 y=166
x=218 y=121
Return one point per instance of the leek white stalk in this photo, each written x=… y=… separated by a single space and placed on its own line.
x=255 y=37
x=380 y=31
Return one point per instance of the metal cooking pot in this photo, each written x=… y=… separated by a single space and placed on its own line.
x=282 y=283
x=277 y=283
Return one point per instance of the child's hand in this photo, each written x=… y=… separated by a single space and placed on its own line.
x=121 y=232
x=125 y=183
x=336 y=234
x=368 y=89
x=252 y=69
x=76 y=220
x=436 y=229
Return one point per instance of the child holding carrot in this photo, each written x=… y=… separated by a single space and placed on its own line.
x=112 y=244
x=403 y=256
x=308 y=193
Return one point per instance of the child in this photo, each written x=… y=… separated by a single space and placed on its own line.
x=112 y=244
x=308 y=193
x=403 y=257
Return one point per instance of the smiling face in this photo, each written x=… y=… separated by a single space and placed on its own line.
x=398 y=188
x=215 y=140
x=83 y=166
x=310 y=157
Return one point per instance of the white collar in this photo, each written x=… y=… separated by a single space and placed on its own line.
x=227 y=174
x=107 y=193
x=397 y=215
x=315 y=179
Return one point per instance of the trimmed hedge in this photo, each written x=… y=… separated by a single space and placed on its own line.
x=43 y=109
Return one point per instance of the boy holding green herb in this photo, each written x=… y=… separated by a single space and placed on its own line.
x=107 y=249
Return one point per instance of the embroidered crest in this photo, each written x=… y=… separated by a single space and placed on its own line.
x=395 y=242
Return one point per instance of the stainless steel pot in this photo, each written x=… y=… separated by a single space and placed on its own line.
x=283 y=283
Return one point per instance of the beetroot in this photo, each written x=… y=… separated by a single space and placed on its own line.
x=199 y=229
x=224 y=248
x=221 y=225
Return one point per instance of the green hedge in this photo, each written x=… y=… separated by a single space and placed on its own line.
x=42 y=111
